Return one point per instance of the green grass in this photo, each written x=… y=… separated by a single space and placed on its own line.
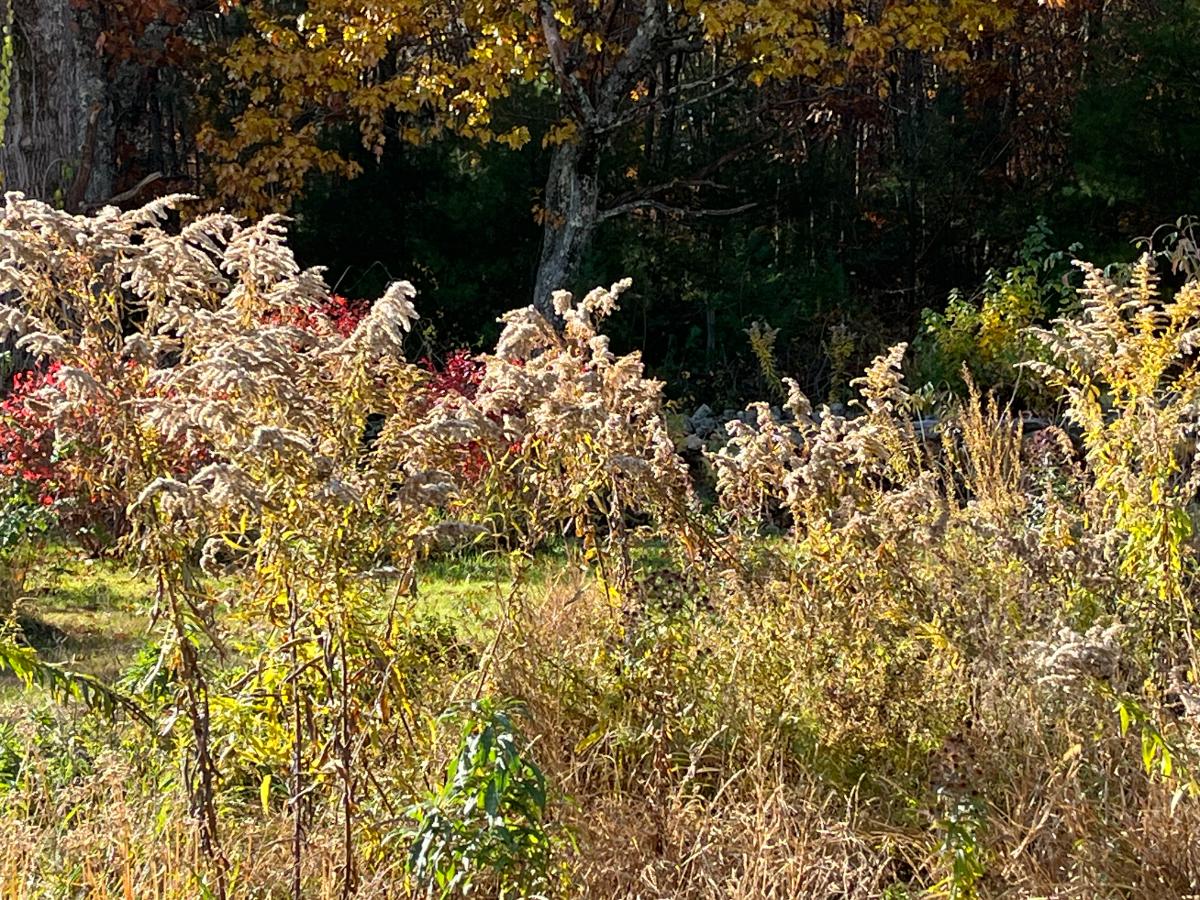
x=469 y=588
x=87 y=614
x=93 y=615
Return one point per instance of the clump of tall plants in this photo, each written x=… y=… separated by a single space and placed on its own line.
x=245 y=440
x=889 y=659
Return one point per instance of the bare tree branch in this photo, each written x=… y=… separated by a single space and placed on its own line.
x=125 y=195
x=637 y=111
x=633 y=61
x=678 y=211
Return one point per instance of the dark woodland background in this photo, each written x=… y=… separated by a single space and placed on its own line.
x=1075 y=134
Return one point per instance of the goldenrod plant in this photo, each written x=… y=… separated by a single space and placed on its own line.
x=891 y=658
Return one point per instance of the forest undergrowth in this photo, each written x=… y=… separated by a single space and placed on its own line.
x=883 y=661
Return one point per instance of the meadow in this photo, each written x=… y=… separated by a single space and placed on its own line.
x=291 y=615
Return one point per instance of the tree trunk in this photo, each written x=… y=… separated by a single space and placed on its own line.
x=58 y=140
x=572 y=194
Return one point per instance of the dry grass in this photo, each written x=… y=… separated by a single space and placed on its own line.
x=880 y=666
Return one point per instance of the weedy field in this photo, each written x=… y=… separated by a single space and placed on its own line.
x=294 y=617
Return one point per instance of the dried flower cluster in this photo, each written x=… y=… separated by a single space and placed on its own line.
x=185 y=384
x=927 y=623
x=821 y=463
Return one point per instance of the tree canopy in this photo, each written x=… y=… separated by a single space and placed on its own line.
x=579 y=74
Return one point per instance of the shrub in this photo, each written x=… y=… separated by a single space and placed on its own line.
x=484 y=825
x=988 y=332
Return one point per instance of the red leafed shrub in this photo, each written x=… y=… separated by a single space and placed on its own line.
x=343 y=314
x=27 y=434
x=461 y=374
x=28 y=453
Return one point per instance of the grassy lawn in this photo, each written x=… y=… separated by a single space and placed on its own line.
x=92 y=615
x=470 y=588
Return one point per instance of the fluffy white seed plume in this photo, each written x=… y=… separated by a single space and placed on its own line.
x=1073 y=658
x=601 y=303
x=279 y=440
x=259 y=254
x=562 y=302
x=449 y=534
x=526 y=333
x=427 y=488
x=797 y=403
x=382 y=330
x=175 y=499
x=338 y=491
x=39 y=343
x=138 y=349
x=228 y=488
x=307 y=290
x=15 y=321
x=78 y=384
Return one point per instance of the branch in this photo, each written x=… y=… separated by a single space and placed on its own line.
x=624 y=74
x=126 y=195
x=635 y=113
x=681 y=211
x=700 y=178
x=571 y=85
x=648 y=192
x=642 y=198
